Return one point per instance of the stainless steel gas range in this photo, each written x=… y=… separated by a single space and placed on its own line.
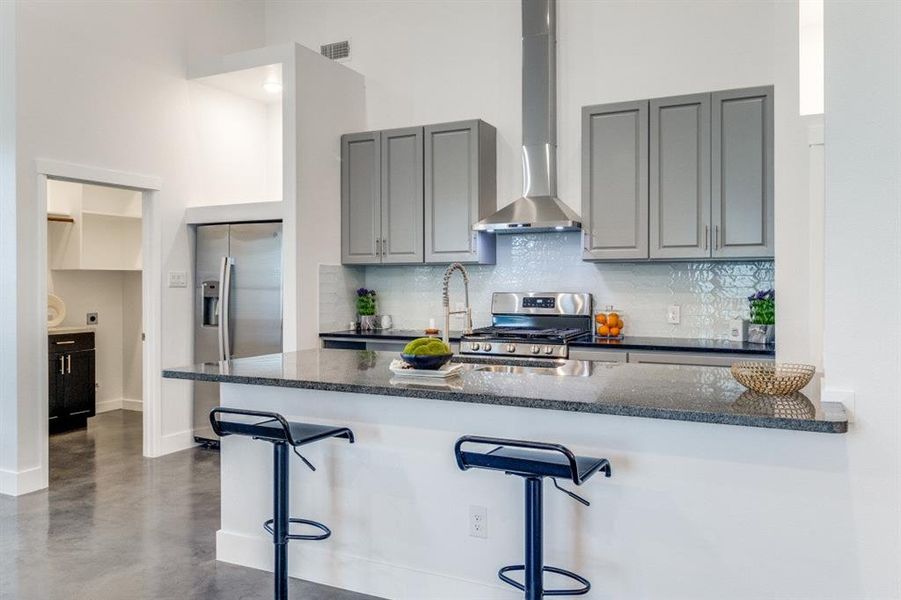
x=531 y=324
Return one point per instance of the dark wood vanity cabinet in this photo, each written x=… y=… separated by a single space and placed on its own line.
x=71 y=380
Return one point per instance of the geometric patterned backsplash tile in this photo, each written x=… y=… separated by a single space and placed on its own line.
x=708 y=293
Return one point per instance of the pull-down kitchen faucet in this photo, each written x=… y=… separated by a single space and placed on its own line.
x=445 y=299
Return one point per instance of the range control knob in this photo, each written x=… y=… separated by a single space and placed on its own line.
x=534 y=349
x=548 y=350
x=487 y=347
x=511 y=348
x=475 y=346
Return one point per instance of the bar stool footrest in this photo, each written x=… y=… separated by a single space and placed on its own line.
x=326 y=532
x=586 y=585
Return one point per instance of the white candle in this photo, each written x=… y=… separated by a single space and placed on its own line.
x=431 y=323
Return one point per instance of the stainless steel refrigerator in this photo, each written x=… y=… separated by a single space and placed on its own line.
x=238 y=302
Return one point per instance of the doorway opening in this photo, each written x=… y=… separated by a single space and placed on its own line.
x=95 y=305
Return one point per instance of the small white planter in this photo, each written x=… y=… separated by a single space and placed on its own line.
x=368 y=322
x=761 y=334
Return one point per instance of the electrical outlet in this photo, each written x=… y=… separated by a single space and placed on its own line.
x=478 y=521
x=92 y=319
x=178 y=279
x=673 y=314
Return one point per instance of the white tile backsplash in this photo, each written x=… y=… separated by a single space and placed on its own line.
x=337 y=290
x=709 y=293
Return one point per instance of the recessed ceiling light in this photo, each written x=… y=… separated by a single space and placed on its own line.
x=272 y=87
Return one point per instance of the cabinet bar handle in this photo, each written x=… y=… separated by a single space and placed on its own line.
x=69 y=363
x=384 y=246
x=62 y=365
x=64 y=343
x=706 y=236
x=716 y=228
x=80 y=412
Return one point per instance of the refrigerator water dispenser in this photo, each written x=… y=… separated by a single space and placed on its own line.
x=211 y=303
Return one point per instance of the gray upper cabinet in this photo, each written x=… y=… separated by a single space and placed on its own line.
x=742 y=166
x=460 y=189
x=360 y=198
x=615 y=181
x=680 y=177
x=401 y=196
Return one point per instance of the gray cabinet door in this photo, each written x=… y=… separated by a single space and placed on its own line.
x=742 y=167
x=360 y=204
x=615 y=181
x=459 y=190
x=401 y=196
x=680 y=177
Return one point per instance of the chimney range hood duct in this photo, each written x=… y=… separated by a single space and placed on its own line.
x=539 y=209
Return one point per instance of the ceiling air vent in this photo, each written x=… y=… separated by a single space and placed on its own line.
x=336 y=50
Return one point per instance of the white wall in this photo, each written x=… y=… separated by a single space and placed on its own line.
x=132 y=345
x=103 y=84
x=334 y=105
x=9 y=395
x=239 y=143
x=863 y=270
x=442 y=61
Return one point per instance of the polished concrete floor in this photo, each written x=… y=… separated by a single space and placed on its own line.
x=117 y=526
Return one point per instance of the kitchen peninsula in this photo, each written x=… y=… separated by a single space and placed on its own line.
x=399 y=507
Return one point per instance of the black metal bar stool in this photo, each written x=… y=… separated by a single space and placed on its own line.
x=281 y=433
x=533 y=461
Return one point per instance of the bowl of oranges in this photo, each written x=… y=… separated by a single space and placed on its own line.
x=609 y=324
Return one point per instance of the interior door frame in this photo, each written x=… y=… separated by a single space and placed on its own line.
x=151 y=291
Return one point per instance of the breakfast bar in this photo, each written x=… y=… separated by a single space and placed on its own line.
x=679 y=438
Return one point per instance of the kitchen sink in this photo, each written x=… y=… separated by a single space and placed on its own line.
x=570 y=368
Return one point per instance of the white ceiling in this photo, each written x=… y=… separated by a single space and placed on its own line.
x=248 y=83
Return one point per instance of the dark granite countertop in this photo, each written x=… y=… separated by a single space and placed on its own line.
x=654 y=344
x=674 y=392
x=385 y=334
x=659 y=344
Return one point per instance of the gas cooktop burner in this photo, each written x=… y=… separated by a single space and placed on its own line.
x=534 y=324
x=550 y=334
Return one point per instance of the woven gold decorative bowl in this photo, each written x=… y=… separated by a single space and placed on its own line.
x=774 y=379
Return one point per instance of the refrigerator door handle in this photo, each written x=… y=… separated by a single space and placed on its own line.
x=225 y=294
x=220 y=310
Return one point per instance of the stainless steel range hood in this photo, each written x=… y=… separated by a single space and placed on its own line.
x=539 y=209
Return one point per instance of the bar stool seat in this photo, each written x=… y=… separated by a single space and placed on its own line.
x=292 y=432
x=516 y=461
x=274 y=428
x=533 y=461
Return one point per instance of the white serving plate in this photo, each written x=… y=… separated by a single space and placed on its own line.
x=56 y=310
x=402 y=369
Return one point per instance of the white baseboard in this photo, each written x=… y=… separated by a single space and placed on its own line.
x=355 y=573
x=103 y=406
x=14 y=483
x=132 y=404
x=176 y=442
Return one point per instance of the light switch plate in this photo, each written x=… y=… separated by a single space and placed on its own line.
x=178 y=279
x=673 y=314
